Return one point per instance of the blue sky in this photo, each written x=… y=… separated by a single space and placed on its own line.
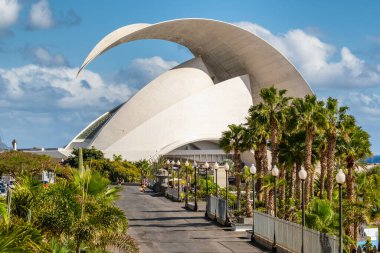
x=334 y=44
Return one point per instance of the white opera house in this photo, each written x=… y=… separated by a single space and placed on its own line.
x=182 y=113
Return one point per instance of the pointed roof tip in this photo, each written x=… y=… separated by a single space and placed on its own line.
x=80 y=70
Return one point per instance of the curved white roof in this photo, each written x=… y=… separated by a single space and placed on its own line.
x=196 y=100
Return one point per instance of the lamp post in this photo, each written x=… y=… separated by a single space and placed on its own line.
x=340 y=179
x=178 y=184
x=227 y=222
x=172 y=163
x=195 y=187
x=168 y=166
x=275 y=174
x=206 y=167
x=187 y=183
x=253 y=172
x=302 y=174
x=216 y=167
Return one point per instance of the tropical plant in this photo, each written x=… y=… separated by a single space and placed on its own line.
x=235 y=140
x=310 y=117
x=335 y=115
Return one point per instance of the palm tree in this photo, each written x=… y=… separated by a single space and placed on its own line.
x=291 y=154
x=321 y=143
x=256 y=139
x=334 y=115
x=311 y=118
x=274 y=108
x=247 y=178
x=235 y=140
x=258 y=127
x=354 y=144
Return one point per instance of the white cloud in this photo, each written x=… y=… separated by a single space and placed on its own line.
x=40 y=15
x=43 y=56
x=314 y=58
x=143 y=70
x=47 y=106
x=9 y=10
x=58 y=85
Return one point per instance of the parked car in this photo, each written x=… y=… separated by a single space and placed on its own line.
x=3 y=192
x=12 y=184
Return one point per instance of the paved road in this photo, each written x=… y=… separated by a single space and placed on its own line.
x=160 y=225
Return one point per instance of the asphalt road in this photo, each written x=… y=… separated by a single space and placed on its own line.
x=160 y=225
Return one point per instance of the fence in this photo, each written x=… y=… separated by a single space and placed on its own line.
x=216 y=207
x=172 y=193
x=289 y=234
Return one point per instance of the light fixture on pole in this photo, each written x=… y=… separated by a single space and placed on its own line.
x=227 y=222
x=195 y=186
x=340 y=179
x=302 y=174
x=206 y=167
x=187 y=183
x=253 y=172
x=216 y=167
x=168 y=167
x=178 y=184
x=172 y=175
x=275 y=173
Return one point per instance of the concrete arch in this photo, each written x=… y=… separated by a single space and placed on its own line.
x=227 y=50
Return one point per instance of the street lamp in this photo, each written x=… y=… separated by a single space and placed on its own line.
x=227 y=222
x=168 y=164
x=275 y=173
x=195 y=177
x=179 y=167
x=340 y=179
x=216 y=167
x=253 y=172
x=302 y=174
x=187 y=183
x=206 y=166
x=172 y=163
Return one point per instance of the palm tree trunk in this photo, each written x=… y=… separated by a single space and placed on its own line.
x=312 y=175
x=270 y=205
x=273 y=141
x=292 y=181
x=308 y=154
x=247 y=197
x=350 y=179
x=298 y=183
x=238 y=179
x=263 y=145
x=258 y=159
x=350 y=191
x=283 y=187
x=323 y=162
x=330 y=164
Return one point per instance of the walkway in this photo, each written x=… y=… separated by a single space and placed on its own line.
x=160 y=225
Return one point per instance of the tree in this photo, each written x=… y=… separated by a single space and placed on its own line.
x=258 y=132
x=334 y=115
x=235 y=140
x=247 y=177
x=273 y=109
x=89 y=154
x=311 y=118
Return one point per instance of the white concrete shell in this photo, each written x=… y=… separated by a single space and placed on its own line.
x=196 y=100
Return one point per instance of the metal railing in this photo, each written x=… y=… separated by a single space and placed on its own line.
x=172 y=193
x=289 y=234
x=216 y=207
